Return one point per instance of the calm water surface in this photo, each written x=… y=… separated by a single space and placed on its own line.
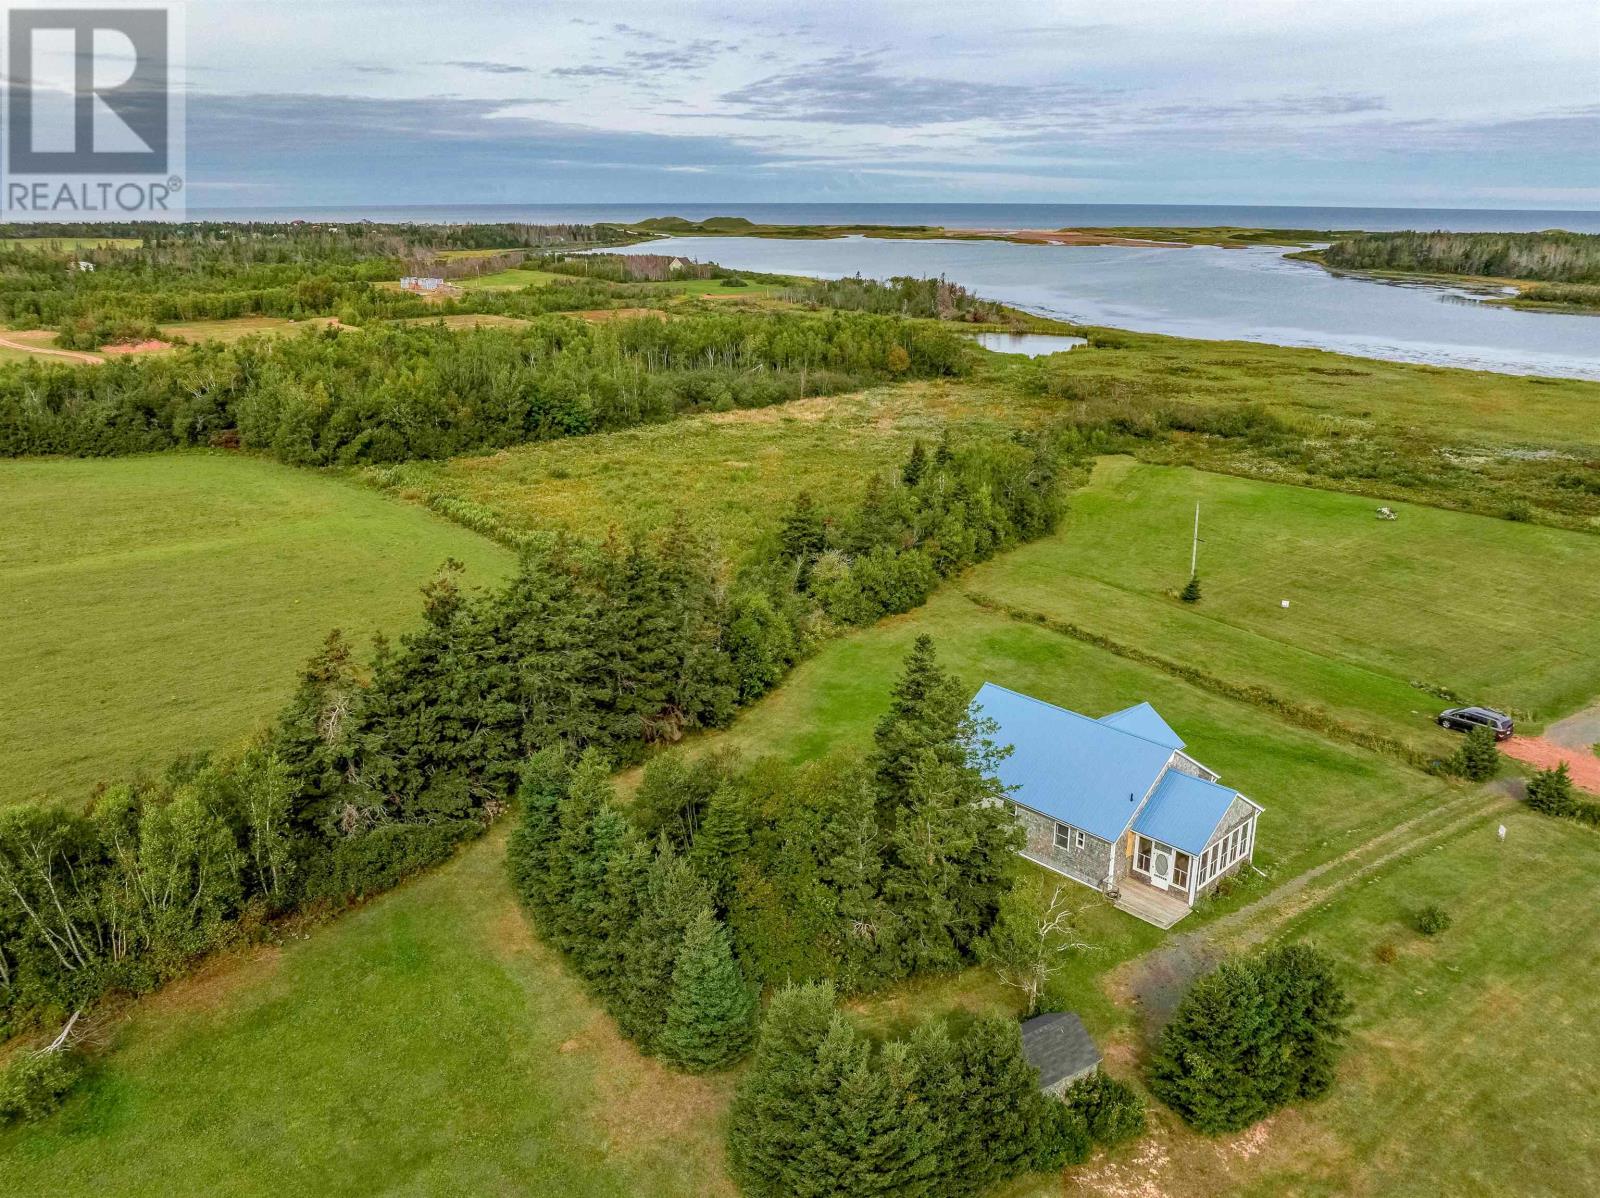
x=1253 y=294
x=1035 y=345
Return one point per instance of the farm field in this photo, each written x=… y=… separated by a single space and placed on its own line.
x=157 y=605
x=1498 y=612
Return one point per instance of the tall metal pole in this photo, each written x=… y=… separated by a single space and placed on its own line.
x=1194 y=553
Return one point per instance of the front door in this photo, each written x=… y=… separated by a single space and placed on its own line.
x=1160 y=865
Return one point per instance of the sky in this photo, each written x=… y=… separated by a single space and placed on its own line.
x=1406 y=103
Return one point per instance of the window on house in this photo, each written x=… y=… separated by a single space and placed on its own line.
x=1068 y=838
x=1180 y=870
x=1141 y=860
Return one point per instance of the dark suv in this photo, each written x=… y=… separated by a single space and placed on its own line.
x=1465 y=719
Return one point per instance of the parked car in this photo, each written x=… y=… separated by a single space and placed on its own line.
x=1465 y=719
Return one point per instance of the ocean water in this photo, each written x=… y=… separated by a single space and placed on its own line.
x=951 y=216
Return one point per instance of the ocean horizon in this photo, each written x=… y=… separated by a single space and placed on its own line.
x=955 y=216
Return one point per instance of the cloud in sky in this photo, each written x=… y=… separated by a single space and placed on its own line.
x=1466 y=102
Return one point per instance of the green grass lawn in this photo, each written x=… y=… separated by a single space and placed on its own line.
x=425 y=1044
x=1497 y=611
x=514 y=279
x=159 y=605
x=1471 y=1067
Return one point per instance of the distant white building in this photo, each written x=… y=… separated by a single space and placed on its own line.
x=85 y=265
x=422 y=283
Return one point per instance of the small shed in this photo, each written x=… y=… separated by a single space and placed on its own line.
x=1059 y=1047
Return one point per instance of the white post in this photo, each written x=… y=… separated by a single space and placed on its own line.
x=1194 y=552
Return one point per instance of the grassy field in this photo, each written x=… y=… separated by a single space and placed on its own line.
x=160 y=605
x=1496 y=611
x=1471 y=1065
x=242 y=326
x=423 y=1045
x=71 y=243
x=732 y=473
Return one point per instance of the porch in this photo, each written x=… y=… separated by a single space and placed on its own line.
x=1144 y=901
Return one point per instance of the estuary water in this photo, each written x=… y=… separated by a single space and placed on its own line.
x=1253 y=294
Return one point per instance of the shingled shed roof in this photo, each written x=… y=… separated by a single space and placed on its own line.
x=1058 y=1047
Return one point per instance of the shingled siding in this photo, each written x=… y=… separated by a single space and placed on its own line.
x=1087 y=865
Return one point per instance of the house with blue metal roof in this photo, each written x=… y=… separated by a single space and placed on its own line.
x=1116 y=803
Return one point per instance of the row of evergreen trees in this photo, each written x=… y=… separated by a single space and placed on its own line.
x=825 y=1111
x=379 y=767
x=1554 y=255
x=390 y=393
x=903 y=295
x=638 y=924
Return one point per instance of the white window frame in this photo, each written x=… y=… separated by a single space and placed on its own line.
x=1073 y=837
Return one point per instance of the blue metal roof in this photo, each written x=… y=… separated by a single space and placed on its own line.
x=1184 y=812
x=1079 y=771
x=1141 y=720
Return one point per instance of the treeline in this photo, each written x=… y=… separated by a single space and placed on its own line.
x=377 y=768
x=1554 y=256
x=388 y=394
x=934 y=299
x=211 y=271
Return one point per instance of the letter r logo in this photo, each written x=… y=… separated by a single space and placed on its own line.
x=86 y=91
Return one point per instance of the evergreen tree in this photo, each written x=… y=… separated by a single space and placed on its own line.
x=1002 y=1090
x=711 y=1012
x=545 y=777
x=803 y=537
x=1478 y=759
x=574 y=867
x=1191 y=590
x=927 y=711
x=1550 y=791
x=546 y=621
x=916 y=465
x=673 y=896
x=771 y=1121
x=1251 y=1036
x=721 y=843
x=623 y=897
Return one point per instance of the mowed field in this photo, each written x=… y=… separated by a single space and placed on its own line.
x=161 y=605
x=1498 y=612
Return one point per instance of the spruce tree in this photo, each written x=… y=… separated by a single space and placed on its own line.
x=1550 y=791
x=1191 y=590
x=673 y=895
x=803 y=538
x=711 y=1012
x=622 y=898
x=927 y=711
x=1478 y=759
x=573 y=871
x=721 y=843
x=916 y=465
x=771 y=1121
x=1252 y=1035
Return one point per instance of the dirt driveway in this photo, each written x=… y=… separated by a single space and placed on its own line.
x=1543 y=753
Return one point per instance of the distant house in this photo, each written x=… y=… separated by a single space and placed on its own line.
x=1115 y=803
x=86 y=266
x=1059 y=1047
x=421 y=283
x=677 y=264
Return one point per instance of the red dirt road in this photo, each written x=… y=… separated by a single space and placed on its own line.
x=1544 y=754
